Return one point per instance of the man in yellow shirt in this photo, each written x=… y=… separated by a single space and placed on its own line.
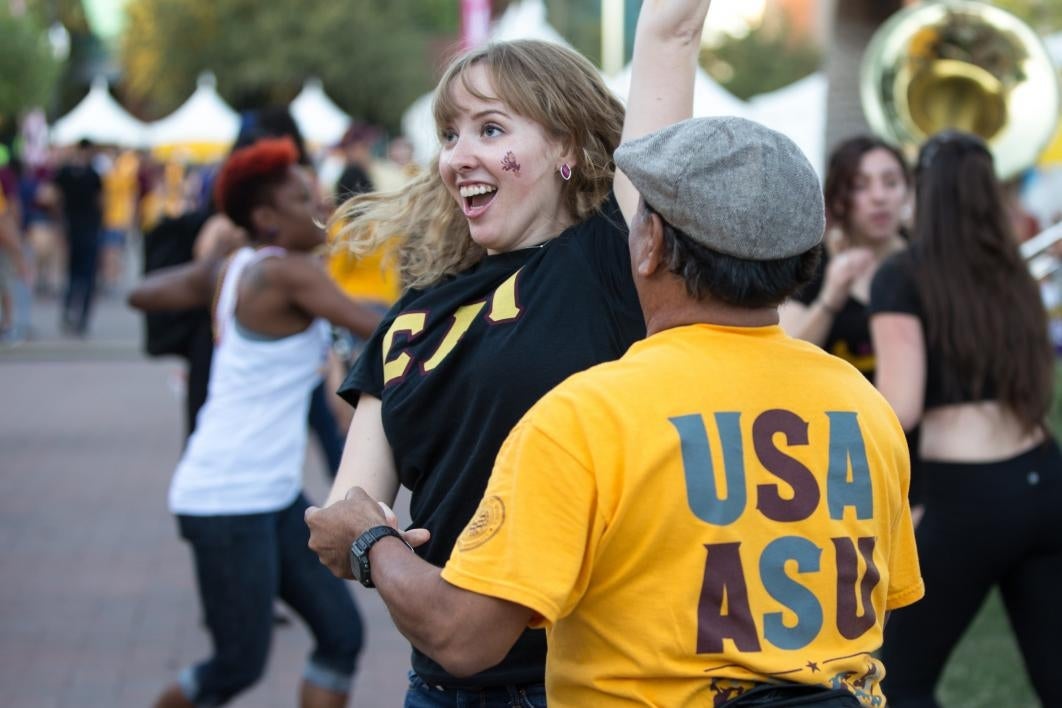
x=120 y=187
x=720 y=515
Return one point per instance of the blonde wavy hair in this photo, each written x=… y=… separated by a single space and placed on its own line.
x=557 y=88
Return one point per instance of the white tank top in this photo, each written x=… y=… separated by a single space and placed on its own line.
x=247 y=451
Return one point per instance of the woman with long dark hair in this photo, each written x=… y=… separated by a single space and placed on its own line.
x=961 y=340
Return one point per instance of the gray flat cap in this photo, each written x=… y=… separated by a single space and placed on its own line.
x=730 y=184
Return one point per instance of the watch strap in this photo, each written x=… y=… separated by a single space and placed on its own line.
x=359 y=551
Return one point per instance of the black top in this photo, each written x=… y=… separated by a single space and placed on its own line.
x=353 y=180
x=895 y=289
x=849 y=335
x=467 y=357
x=81 y=188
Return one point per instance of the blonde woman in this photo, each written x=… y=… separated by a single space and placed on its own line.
x=519 y=275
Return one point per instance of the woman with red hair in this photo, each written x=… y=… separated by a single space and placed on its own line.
x=237 y=490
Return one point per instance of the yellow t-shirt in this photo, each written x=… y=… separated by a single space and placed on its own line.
x=173 y=196
x=372 y=277
x=120 y=192
x=721 y=505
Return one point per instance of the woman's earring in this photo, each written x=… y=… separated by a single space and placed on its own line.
x=566 y=172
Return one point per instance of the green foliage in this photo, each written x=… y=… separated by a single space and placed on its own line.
x=1054 y=415
x=579 y=21
x=71 y=13
x=373 y=58
x=986 y=669
x=1044 y=16
x=767 y=58
x=27 y=70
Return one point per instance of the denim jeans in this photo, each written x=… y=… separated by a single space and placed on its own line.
x=323 y=424
x=242 y=563
x=80 y=292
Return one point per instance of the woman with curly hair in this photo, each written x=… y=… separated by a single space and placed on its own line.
x=237 y=490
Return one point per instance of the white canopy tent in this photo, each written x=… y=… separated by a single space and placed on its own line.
x=798 y=111
x=321 y=122
x=1053 y=43
x=709 y=98
x=419 y=126
x=526 y=20
x=203 y=127
x=522 y=20
x=99 y=118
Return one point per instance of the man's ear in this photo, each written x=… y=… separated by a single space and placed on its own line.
x=650 y=255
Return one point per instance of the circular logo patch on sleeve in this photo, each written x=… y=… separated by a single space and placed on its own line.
x=488 y=519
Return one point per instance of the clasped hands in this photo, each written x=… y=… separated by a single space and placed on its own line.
x=334 y=528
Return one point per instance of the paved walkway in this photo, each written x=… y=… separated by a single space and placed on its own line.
x=97 y=601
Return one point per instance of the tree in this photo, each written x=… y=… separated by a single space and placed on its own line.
x=28 y=71
x=85 y=58
x=579 y=21
x=767 y=58
x=373 y=58
x=854 y=23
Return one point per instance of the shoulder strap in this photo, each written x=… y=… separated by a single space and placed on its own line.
x=229 y=280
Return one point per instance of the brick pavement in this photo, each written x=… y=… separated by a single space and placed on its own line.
x=97 y=601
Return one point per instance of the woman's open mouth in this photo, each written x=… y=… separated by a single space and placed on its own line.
x=476 y=198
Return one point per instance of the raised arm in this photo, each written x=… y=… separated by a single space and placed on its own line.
x=316 y=293
x=813 y=322
x=181 y=287
x=667 y=42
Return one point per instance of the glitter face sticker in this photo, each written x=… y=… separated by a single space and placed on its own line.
x=509 y=163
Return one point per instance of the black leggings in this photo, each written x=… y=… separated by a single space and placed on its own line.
x=990 y=524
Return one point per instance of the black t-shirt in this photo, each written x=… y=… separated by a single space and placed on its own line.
x=849 y=335
x=81 y=188
x=467 y=357
x=354 y=180
x=895 y=289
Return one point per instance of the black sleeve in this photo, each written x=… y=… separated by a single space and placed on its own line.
x=894 y=288
x=366 y=376
x=809 y=292
x=603 y=244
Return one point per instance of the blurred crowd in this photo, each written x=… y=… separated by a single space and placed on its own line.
x=73 y=219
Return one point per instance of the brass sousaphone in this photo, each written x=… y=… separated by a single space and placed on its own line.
x=966 y=66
